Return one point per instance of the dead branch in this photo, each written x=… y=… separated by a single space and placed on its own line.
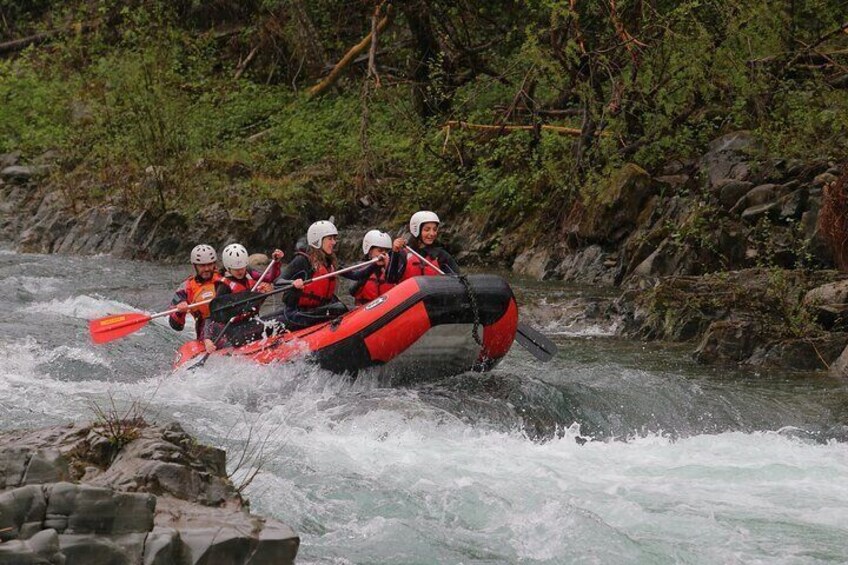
x=352 y=53
x=576 y=132
x=20 y=44
x=242 y=66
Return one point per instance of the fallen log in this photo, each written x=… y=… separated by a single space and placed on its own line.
x=576 y=132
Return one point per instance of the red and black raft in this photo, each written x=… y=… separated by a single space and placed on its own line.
x=423 y=328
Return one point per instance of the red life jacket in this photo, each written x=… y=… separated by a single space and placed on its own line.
x=243 y=285
x=374 y=287
x=197 y=291
x=318 y=293
x=415 y=267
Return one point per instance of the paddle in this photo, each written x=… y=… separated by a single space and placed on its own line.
x=230 y=321
x=225 y=307
x=115 y=326
x=221 y=308
x=528 y=337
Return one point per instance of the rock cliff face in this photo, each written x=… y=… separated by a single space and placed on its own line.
x=135 y=494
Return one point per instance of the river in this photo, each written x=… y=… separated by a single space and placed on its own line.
x=615 y=452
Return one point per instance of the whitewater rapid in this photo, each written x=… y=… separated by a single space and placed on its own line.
x=616 y=453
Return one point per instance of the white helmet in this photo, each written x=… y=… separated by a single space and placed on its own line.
x=234 y=256
x=203 y=254
x=376 y=238
x=420 y=218
x=318 y=231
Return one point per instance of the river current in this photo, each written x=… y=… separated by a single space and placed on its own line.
x=615 y=452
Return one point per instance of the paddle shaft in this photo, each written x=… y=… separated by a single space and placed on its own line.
x=306 y=282
x=203 y=359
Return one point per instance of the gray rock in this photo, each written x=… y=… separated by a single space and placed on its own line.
x=757 y=196
x=839 y=368
x=727 y=156
x=40 y=549
x=731 y=190
x=536 y=263
x=93 y=510
x=162 y=547
x=127 y=549
x=13 y=464
x=23 y=173
x=46 y=466
x=589 y=266
x=802 y=354
x=755 y=213
x=793 y=205
x=727 y=341
x=22 y=512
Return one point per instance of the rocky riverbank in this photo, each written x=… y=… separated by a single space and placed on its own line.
x=125 y=492
x=684 y=246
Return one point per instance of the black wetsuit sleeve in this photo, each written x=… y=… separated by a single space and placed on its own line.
x=396 y=267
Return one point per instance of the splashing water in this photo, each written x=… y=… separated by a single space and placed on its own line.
x=617 y=452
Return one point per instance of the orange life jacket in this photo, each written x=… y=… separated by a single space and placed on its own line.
x=318 y=293
x=415 y=267
x=374 y=287
x=197 y=291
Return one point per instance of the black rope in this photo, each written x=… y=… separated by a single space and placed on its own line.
x=472 y=299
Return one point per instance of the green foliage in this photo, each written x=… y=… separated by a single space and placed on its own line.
x=153 y=86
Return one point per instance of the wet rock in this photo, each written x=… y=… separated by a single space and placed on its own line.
x=23 y=173
x=839 y=368
x=13 y=464
x=754 y=214
x=727 y=341
x=126 y=549
x=591 y=265
x=22 y=512
x=40 y=549
x=727 y=157
x=729 y=191
x=536 y=263
x=829 y=304
x=793 y=205
x=46 y=466
x=757 y=196
x=84 y=509
x=800 y=354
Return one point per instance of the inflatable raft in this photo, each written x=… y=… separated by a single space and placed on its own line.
x=425 y=327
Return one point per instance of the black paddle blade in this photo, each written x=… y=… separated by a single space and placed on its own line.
x=223 y=308
x=537 y=344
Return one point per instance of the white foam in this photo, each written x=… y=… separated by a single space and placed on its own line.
x=81 y=307
x=34 y=285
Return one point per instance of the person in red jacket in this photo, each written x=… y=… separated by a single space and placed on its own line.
x=238 y=277
x=196 y=288
x=424 y=227
x=307 y=304
x=374 y=280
